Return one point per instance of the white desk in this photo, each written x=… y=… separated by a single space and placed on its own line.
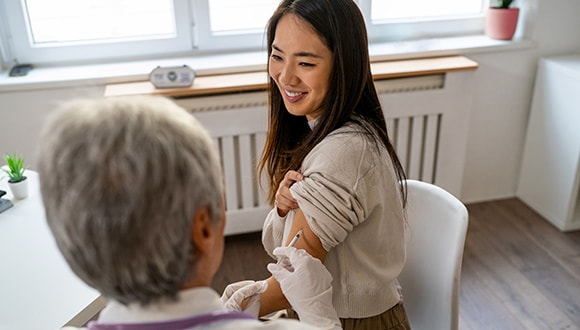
x=37 y=288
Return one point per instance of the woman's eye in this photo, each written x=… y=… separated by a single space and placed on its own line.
x=275 y=57
x=304 y=64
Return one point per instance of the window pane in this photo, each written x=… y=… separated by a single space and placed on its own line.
x=413 y=9
x=92 y=31
x=232 y=15
x=59 y=21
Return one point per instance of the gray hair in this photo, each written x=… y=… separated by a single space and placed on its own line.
x=121 y=180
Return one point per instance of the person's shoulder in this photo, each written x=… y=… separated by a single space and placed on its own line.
x=349 y=141
x=347 y=135
x=340 y=155
x=347 y=130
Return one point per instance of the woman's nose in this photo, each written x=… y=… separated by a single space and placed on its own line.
x=287 y=75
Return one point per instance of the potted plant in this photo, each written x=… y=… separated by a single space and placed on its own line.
x=16 y=178
x=501 y=20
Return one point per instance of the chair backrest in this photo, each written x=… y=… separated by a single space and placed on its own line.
x=437 y=223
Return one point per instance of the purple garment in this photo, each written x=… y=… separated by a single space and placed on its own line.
x=176 y=324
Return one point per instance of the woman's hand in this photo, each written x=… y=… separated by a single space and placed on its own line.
x=284 y=200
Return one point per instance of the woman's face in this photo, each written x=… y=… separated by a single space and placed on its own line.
x=300 y=64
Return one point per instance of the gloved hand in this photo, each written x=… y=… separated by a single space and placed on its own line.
x=235 y=293
x=305 y=282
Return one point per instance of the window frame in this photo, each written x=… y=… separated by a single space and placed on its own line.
x=208 y=42
x=195 y=37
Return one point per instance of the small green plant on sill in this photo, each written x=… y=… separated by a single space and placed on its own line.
x=503 y=4
x=15 y=169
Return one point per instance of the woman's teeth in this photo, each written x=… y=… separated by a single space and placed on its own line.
x=292 y=94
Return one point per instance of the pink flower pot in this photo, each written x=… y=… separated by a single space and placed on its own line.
x=501 y=23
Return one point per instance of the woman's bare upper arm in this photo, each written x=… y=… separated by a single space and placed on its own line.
x=273 y=300
x=308 y=240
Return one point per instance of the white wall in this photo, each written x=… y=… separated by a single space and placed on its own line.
x=502 y=91
x=23 y=112
x=504 y=83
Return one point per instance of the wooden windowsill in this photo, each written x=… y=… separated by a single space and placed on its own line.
x=256 y=81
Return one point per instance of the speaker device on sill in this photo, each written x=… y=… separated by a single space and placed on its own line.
x=172 y=77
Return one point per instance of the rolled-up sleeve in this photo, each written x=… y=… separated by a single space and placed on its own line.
x=331 y=208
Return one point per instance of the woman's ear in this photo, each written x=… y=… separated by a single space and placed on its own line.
x=202 y=230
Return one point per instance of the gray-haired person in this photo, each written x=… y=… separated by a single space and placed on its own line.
x=133 y=193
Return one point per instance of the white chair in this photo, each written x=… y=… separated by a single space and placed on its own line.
x=430 y=280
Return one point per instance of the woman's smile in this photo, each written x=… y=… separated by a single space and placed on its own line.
x=293 y=97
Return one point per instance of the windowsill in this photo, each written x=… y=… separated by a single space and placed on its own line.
x=101 y=74
x=258 y=80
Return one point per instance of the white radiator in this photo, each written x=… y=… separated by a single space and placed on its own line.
x=427 y=120
x=239 y=135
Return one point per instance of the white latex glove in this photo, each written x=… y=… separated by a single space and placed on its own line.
x=235 y=293
x=305 y=282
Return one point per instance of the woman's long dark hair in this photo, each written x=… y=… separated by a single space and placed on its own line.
x=351 y=97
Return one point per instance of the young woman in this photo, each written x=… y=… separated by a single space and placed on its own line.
x=333 y=173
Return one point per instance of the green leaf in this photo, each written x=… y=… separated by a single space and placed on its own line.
x=15 y=169
x=501 y=3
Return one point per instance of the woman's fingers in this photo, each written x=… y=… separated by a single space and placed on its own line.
x=293 y=176
x=284 y=199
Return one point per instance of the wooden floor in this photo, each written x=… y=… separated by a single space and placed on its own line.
x=519 y=272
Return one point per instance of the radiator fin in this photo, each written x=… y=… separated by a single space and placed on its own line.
x=416 y=141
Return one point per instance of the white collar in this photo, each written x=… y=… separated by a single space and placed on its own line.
x=313 y=122
x=189 y=302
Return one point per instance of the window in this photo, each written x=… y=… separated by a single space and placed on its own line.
x=98 y=20
x=225 y=15
x=397 y=10
x=392 y=20
x=65 y=31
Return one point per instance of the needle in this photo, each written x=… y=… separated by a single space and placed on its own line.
x=295 y=239
x=284 y=260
